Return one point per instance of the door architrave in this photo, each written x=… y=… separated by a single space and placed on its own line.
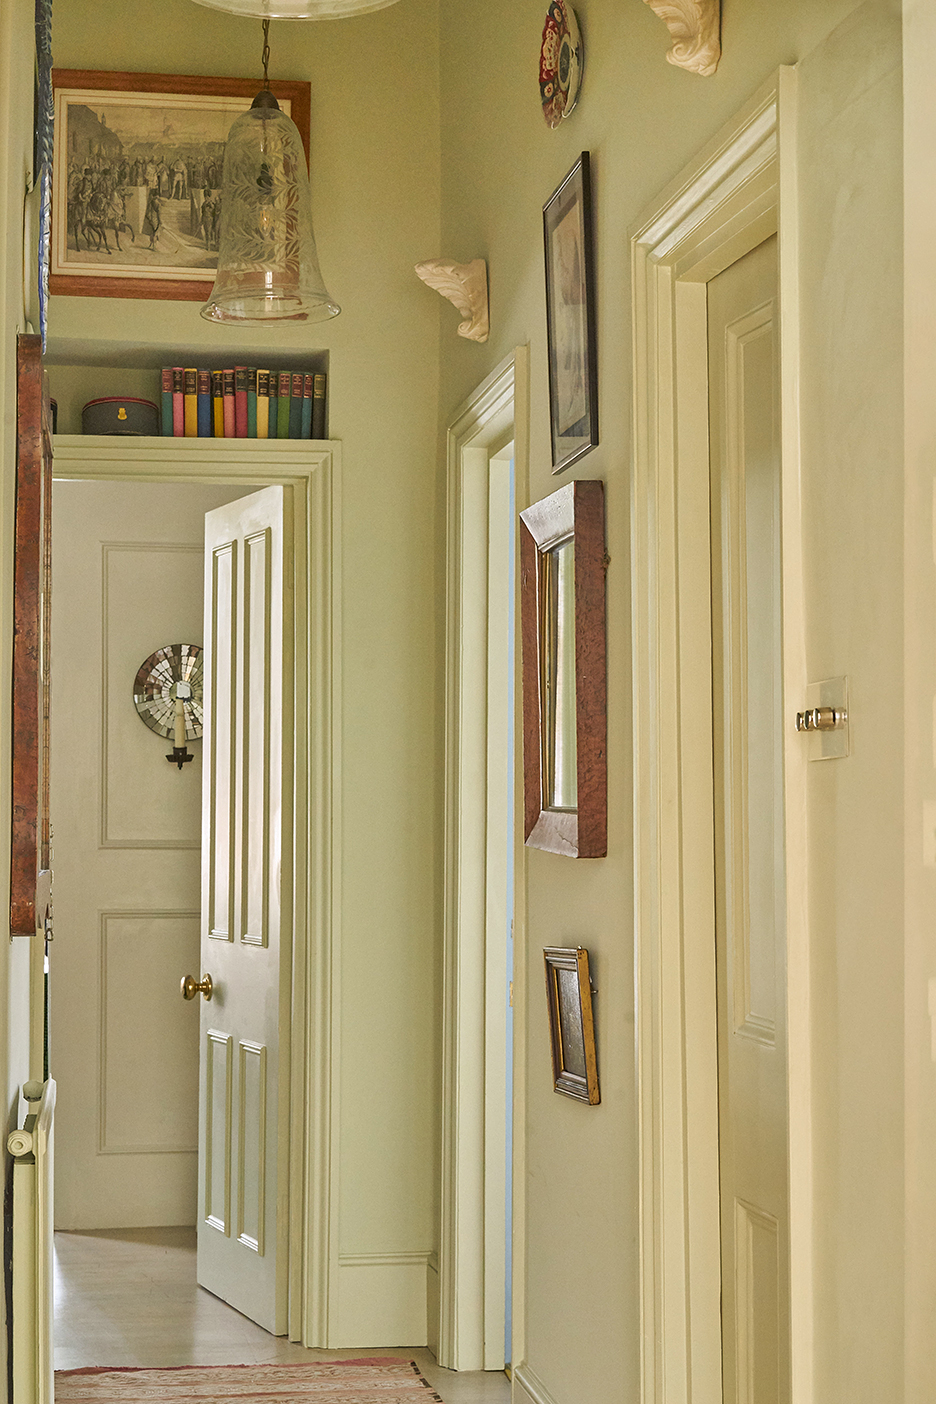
x=313 y=477
x=739 y=191
x=471 y=1274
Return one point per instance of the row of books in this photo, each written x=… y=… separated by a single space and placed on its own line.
x=242 y=403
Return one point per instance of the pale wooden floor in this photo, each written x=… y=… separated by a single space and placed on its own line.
x=129 y=1297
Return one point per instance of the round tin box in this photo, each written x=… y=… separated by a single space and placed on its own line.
x=112 y=415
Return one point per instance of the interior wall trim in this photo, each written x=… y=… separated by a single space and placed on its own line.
x=313 y=476
x=473 y=1209
x=530 y=1382
x=740 y=190
x=353 y=1260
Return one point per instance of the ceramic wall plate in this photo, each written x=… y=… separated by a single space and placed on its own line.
x=560 y=62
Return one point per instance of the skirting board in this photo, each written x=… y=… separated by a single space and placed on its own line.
x=382 y=1300
x=432 y=1305
x=528 y=1387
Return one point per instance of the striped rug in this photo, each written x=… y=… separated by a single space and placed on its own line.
x=375 y=1380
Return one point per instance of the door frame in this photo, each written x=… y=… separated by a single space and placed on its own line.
x=739 y=191
x=473 y=1209
x=313 y=476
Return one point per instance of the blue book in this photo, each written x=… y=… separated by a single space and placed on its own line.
x=204 y=404
x=167 y=401
x=274 y=403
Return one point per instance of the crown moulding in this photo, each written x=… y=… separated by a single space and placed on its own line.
x=694 y=27
x=465 y=286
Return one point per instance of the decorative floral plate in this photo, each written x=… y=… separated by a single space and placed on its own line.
x=560 y=62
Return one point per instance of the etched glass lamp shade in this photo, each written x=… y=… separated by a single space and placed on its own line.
x=268 y=268
x=297 y=9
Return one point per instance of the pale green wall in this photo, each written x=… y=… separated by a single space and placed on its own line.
x=375 y=182
x=643 y=120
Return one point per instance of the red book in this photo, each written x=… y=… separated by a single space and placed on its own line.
x=240 y=402
x=178 y=402
x=229 y=431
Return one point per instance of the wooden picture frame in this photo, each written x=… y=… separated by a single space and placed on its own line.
x=30 y=845
x=115 y=135
x=571 y=1023
x=564 y=671
x=570 y=318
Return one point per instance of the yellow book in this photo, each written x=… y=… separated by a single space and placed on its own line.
x=217 y=405
x=190 y=403
x=263 y=404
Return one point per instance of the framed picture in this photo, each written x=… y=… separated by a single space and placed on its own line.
x=137 y=176
x=570 y=318
x=571 y=1023
x=562 y=631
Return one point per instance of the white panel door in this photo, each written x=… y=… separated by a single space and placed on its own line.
x=128 y=567
x=749 y=832
x=246 y=909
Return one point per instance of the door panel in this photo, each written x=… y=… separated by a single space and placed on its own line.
x=246 y=931
x=749 y=843
x=124 y=1048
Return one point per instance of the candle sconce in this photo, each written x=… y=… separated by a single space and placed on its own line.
x=167 y=693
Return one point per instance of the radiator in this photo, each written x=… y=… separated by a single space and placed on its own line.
x=31 y=1148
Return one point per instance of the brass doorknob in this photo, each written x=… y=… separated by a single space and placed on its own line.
x=191 y=986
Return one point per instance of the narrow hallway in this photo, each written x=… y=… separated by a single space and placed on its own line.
x=128 y=1297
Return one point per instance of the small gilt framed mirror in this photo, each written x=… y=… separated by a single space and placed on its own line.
x=562 y=610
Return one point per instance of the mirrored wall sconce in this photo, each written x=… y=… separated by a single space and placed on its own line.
x=694 y=27
x=465 y=286
x=562 y=614
x=167 y=693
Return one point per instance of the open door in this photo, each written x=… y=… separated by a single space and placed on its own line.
x=246 y=909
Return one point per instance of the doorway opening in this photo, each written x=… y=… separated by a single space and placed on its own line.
x=226 y=473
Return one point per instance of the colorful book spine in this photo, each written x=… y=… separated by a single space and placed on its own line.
x=217 y=404
x=240 y=401
x=263 y=404
x=308 y=382
x=167 y=400
x=251 y=402
x=274 y=405
x=228 y=384
x=178 y=401
x=295 y=407
x=204 y=404
x=318 y=407
x=282 y=407
x=190 y=384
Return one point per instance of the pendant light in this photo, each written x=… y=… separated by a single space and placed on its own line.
x=268 y=268
x=297 y=9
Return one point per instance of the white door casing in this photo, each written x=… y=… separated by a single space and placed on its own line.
x=470 y=1285
x=246 y=929
x=310 y=476
x=738 y=192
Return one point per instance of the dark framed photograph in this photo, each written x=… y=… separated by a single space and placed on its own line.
x=137 y=178
x=570 y=318
x=571 y=1023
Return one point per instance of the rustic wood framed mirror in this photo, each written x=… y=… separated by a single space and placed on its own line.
x=562 y=611
x=30 y=855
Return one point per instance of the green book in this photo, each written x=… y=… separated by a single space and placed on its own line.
x=274 y=402
x=282 y=406
x=252 y=402
x=295 y=407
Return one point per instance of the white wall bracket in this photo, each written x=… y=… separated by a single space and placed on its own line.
x=695 y=29
x=465 y=285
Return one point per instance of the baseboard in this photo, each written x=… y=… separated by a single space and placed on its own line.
x=433 y=1304
x=532 y=1387
x=382 y=1300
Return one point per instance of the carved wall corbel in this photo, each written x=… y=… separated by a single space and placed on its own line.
x=465 y=285
x=694 y=26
